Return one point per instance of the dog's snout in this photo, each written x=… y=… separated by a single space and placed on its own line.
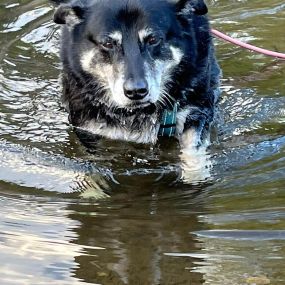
x=136 y=89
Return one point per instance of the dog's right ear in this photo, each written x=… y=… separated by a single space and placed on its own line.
x=70 y=15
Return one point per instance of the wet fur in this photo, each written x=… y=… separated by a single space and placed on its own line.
x=193 y=81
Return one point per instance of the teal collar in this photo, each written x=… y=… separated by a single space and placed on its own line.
x=168 y=122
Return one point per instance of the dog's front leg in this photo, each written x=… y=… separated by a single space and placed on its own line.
x=195 y=162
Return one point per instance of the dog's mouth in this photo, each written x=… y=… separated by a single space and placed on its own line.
x=143 y=107
x=137 y=105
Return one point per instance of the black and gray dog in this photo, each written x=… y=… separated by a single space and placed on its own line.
x=137 y=69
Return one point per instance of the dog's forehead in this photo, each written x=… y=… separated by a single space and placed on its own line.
x=122 y=15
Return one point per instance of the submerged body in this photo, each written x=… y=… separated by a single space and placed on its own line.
x=126 y=62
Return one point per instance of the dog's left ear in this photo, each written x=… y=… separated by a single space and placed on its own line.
x=197 y=7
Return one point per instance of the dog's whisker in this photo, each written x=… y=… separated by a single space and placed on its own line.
x=160 y=100
x=165 y=97
x=169 y=96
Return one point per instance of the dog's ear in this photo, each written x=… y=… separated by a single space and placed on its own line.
x=70 y=15
x=197 y=7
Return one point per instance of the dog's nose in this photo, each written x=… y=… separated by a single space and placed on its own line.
x=135 y=89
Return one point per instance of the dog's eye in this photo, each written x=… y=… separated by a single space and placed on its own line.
x=153 y=41
x=108 y=45
x=105 y=44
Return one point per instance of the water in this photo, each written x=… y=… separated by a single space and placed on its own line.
x=128 y=214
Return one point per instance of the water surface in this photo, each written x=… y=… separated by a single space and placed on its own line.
x=127 y=214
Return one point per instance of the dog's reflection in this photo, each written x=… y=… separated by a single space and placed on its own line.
x=138 y=233
x=165 y=164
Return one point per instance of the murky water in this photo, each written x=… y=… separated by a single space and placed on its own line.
x=150 y=223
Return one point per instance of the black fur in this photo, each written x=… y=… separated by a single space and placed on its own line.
x=184 y=25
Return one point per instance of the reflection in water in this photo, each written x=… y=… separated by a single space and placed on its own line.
x=42 y=243
x=108 y=212
x=33 y=168
x=135 y=246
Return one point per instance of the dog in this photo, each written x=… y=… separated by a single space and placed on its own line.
x=136 y=70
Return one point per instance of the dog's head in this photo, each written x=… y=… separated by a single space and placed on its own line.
x=131 y=47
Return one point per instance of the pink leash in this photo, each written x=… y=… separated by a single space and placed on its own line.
x=248 y=46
